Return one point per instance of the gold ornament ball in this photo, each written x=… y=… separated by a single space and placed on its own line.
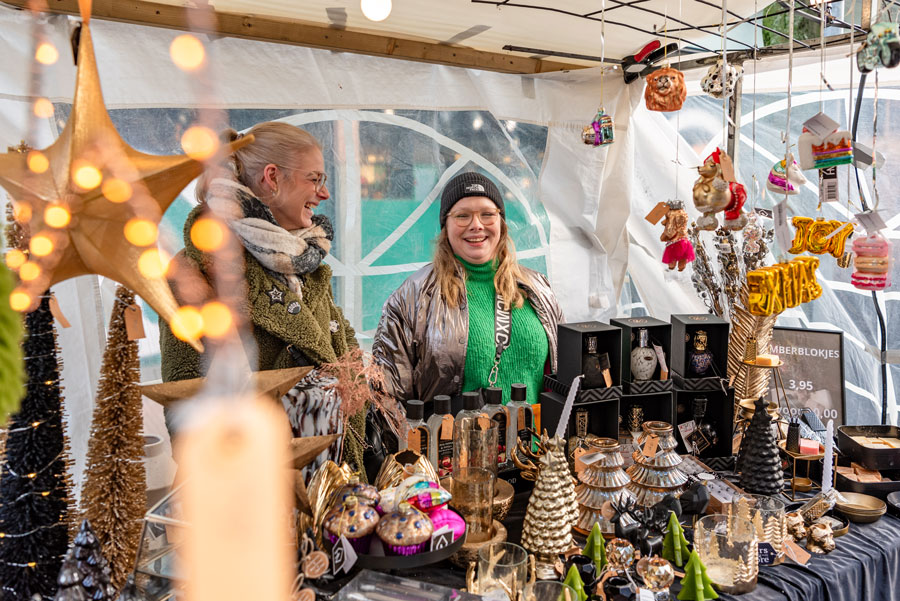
x=656 y=572
x=620 y=553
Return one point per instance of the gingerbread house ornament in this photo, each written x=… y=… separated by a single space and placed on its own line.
x=665 y=91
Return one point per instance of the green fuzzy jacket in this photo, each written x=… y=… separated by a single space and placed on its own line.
x=315 y=326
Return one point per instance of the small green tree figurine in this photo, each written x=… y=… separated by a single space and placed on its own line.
x=595 y=548
x=675 y=546
x=696 y=585
x=573 y=579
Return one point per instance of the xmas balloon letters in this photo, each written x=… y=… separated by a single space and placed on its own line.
x=783 y=285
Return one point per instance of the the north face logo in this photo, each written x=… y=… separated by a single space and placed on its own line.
x=474 y=188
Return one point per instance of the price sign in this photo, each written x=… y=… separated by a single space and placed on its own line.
x=766 y=554
x=812 y=371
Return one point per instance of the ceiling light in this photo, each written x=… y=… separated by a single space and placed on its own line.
x=375 y=10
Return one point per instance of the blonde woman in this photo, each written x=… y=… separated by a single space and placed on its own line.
x=268 y=201
x=474 y=317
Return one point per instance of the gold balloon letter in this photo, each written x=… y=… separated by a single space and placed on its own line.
x=800 y=239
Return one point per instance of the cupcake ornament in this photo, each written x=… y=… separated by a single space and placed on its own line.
x=405 y=531
x=366 y=494
x=354 y=520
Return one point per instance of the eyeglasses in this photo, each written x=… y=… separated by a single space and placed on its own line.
x=464 y=218
x=318 y=178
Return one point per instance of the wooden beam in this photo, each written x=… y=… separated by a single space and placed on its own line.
x=301 y=33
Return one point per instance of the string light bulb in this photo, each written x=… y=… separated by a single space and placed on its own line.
x=199 y=142
x=43 y=108
x=85 y=175
x=153 y=263
x=187 y=323
x=376 y=10
x=15 y=259
x=207 y=234
x=29 y=271
x=116 y=190
x=22 y=212
x=217 y=320
x=57 y=216
x=187 y=52
x=37 y=162
x=141 y=232
x=41 y=245
x=19 y=300
x=46 y=54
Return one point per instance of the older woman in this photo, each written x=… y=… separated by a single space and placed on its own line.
x=474 y=317
x=267 y=200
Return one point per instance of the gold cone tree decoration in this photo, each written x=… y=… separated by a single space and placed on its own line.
x=84 y=190
x=552 y=509
x=114 y=497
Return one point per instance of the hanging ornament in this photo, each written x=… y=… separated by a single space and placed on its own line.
x=872 y=263
x=719 y=86
x=734 y=214
x=711 y=191
x=783 y=285
x=679 y=250
x=753 y=233
x=819 y=236
x=600 y=131
x=665 y=90
x=785 y=180
x=83 y=156
x=819 y=152
x=881 y=48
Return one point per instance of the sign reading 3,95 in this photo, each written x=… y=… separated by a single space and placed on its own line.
x=812 y=371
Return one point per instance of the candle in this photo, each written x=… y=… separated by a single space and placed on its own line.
x=828 y=461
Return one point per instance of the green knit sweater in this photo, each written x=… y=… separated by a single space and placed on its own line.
x=523 y=361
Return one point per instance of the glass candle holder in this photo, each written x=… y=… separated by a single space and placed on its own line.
x=767 y=516
x=502 y=566
x=549 y=590
x=473 y=493
x=475 y=444
x=727 y=546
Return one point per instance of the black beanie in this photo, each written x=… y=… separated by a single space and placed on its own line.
x=469 y=184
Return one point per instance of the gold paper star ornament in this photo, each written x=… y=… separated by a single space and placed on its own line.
x=94 y=201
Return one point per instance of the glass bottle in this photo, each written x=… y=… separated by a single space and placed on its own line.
x=704 y=435
x=590 y=365
x=643 y=358
x=495 y=410
x=700 y=358
x=417 y=433
x=521 y=414
x=440 y=430
x=474 y=436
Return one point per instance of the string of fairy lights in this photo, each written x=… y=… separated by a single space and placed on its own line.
x=106 y=171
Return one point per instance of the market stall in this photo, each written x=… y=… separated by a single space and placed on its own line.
x=704 y=195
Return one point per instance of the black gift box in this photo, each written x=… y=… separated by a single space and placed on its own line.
x=571 y=349
x=684 y=327
x=603 y=415
x=719 y=413
x=660 y=334
x=657 y=406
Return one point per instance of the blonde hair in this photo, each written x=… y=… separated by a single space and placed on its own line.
x=451 y=275
x=274 y=142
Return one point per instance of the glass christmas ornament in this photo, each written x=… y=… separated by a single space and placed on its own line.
x=711 y=192
x=665 y=90
x=817 y=152
x=643 y=358
x=720 y=79
x=880 y=49
x=787 y=180
x=653 y=477
x=872 y=263
x=600 y=131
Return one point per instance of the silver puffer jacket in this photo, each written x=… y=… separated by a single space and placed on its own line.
x=421 y=342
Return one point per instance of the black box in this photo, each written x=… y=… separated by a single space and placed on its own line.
x=589 y=395
x=684 y=327
x=658 y=406
x=571 y=349
x=699 y=384
x=602 y=416
x=719 y=413
x=514 y=476
x=660 y=334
